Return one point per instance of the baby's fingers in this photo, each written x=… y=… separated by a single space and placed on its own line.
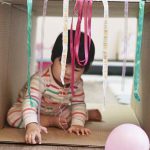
x=82 y=131
x=38 y=138
x=33 y=141
x=43 y=129
x=27 y=138
x=70 y=130
x=77 y=131
x=74 y=130
x=30 y=138
x=87 y=131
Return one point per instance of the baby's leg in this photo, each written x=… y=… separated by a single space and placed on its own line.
x=14 y=116
x=94 y=115
x=62 y=120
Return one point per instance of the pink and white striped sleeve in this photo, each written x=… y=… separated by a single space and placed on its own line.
x=79 y=114
x=36 y=89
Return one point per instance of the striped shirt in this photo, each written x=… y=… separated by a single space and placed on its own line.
x=47 y=95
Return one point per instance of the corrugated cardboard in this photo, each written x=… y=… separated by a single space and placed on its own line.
x=13 y=66
x=112 y=117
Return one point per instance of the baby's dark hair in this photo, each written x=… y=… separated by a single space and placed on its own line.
x=57 y=50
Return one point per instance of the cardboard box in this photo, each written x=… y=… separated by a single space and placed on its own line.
x=13 y=73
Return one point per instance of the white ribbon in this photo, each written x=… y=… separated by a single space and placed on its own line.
x=105 y=47
x=65 y=39
x=41 y=52
x=125 y=44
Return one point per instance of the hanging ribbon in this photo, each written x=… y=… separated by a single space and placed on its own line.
x=125 y=44
x=138 y=50
x=77 y=10
x=41 y=53
x=81 y=7
x=105 y=47
x=42 y=35
x=86 y=8
x=65 y=39
x=29 y=26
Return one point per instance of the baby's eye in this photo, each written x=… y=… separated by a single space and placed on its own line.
x=77 y=69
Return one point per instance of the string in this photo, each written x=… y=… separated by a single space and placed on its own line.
x=138 y=50
x=65 y=39
x=125 y=44
x=61 y=112
x=41 y=54
x=29 y=26
x=105 y=48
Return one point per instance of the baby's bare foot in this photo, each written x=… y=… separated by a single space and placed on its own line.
x=94 y=115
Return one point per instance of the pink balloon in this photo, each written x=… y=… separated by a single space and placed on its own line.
x=127 y=137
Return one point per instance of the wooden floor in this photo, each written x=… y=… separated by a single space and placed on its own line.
x=43 y=147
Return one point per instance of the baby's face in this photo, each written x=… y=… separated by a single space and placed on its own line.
x=67 y=79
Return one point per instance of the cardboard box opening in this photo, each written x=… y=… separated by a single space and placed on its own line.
x=13 y=64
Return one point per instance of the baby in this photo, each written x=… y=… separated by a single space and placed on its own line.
x=58 y=106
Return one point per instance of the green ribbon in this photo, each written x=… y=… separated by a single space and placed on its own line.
x=29 y=25
x=138 y=50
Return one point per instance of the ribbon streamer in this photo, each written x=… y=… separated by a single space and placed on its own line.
x=81 y=7
x=65 y=39
x=125 y=44
x=29 y=26
x=105 y=47
x=41 y=53
x=65 y=49
x=42 y=35
x=138 y=50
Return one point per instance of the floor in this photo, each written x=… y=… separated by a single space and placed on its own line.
x=120 y=87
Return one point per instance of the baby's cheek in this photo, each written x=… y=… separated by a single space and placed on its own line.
x=76 y=78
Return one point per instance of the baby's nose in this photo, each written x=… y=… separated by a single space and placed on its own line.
x=68 y=70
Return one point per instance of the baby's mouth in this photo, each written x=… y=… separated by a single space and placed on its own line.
x=67 y=79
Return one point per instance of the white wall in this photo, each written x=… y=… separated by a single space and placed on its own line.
x=54 y=25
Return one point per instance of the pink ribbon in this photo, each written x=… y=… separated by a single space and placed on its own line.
x=81 y=7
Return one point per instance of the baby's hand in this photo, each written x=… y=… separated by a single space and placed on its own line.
x=33 y=133
x=79 y=130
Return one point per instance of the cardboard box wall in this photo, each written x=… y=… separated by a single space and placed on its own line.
x=13 y=53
